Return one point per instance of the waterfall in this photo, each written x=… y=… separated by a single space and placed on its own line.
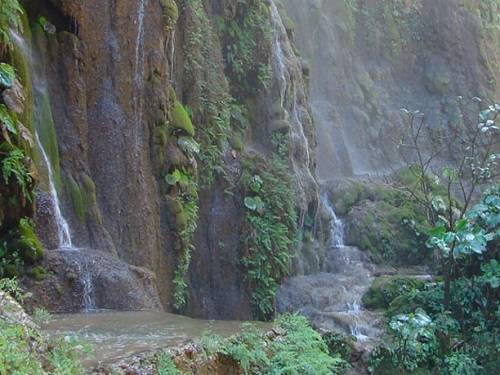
x=280 y=44
x=65 y=242
x=138 y=75
x=172 y=58
x=337 y=229
x=279 y=57
x=63 y=232
x=88 y=293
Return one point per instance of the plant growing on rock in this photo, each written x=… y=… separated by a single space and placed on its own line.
x=270 y=230
x=473 y=145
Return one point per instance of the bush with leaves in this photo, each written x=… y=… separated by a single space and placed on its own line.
x=467 y=327
x=297 y=349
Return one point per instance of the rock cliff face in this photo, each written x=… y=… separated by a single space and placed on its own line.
x=108 y=78
x=368 y=59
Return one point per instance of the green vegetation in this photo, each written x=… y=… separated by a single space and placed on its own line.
x=297 y=349
x=181 y=120
x=452 y=325
x=24 y=350
x=165 y=365
x=170 y=13
x=209 y=97
x=384 y=220
x=10 y=16
x=19 y=246
x=270 y=230
x=181 y=184
x=246 y=34
x=386 y=289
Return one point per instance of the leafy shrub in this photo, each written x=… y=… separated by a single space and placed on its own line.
x=11 y=287
x=301 y=350
x=18 y=353
x=297 y=349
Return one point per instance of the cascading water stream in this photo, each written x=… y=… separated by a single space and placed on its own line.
x=172 y=58
x=337 y=241
x=337 y=230
x=138 y=77
x=285 y=69
x=63 y=232
x=65 y=242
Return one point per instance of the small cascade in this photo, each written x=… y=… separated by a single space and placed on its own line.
x=281 y=71
x=337 y=229
x=88 y=299
x=63 y=232
x=288 y=72
x=334 y=296
x=172 y=58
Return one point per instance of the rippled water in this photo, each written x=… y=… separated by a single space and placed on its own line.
x=116 y=335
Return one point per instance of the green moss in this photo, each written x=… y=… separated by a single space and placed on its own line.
x=77 y=198
x=236 y=142
x=181 y=120
x=385 y=221
x=181 y=220
x=20 y=63
x=170 y=13
x=38 y=273
x=28 y=244
x=44 y=121
x=387 y=289
x=89 y=189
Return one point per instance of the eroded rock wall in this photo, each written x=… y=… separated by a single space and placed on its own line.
x=368 y=59
x=112 y=73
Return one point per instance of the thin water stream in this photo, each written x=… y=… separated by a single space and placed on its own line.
x=117 y=335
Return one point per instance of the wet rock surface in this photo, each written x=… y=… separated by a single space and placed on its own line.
x=85 y=279
x=332 y=299
x=369 y=59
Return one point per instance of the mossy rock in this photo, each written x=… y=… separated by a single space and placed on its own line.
x=386 y=223
x=181 y=221
x=339 y=344
x=38 y=273
x=181 y=120
x=77 y=198
x=170 y=12
x=28 y=244
x=89 y=188
x=176 y=157
x=236 y=142
x=174 y=205
x=386 y=289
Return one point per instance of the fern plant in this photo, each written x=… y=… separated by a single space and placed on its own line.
x=13 y=168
